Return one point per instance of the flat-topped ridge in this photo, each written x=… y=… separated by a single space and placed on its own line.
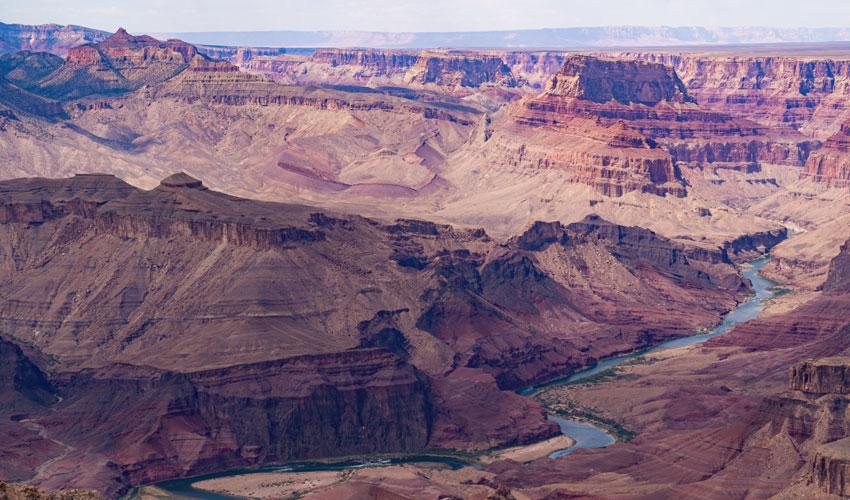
x=602 y=79
x=181 y=179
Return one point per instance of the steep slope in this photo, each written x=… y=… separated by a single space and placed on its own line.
x=173 y=313
x=334 y=67
x=705 y=429
x=818 y=202
x=651 y=101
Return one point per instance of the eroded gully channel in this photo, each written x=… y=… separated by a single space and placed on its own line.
x=585 y=435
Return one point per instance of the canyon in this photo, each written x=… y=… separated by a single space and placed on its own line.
x=307 y=320
x=219 y=258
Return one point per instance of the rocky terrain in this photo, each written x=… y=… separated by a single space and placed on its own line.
x=421 y=151
x=164 y=309
x=790 y=88
x=272 y=254
x=9 y=491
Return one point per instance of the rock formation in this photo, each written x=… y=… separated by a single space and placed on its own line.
x=171 y=314
x=9 y=491
x=839 y=268
x=625 y=126
x=602 y=80
x=790 y=445
x=459 y=70
x=830 y=165
x=805 y=91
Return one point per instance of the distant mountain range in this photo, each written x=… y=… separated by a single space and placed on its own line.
x=606 y=36
x=57 y=38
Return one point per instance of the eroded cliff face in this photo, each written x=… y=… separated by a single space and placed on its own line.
x=334 y=67
x=12 y=491
x=459 y=70
x=804 y=92
x=120 y=63
x=308 y=141
x=602 y=80
x=789 y=445
x=830 y=165
x=657 y=126
x=164 y=424
x=839 y=268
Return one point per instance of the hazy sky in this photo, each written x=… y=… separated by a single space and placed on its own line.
x=419 y=15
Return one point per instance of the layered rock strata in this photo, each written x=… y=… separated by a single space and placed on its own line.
x=830 y=165
x=806 y=92
x=170 y=314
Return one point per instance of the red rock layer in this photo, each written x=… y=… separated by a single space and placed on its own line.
x=125 y=50
x=830 y=165
x=764 y=453
x=165 y=424
x=120 y=63
x=384 y=62
x=806 y=92
x=650 y=101
x=602 y=80
x=10 y=491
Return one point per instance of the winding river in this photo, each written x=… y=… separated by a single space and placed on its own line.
x=585 y=435
x=589 y=436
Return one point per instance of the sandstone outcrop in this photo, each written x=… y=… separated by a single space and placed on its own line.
x=829 y=468
x=602 y=80
x=120 y=63
x=389 y=150
x=793 y=441
x=822 y=376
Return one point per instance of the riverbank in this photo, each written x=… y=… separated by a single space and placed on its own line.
x=285 y=485
x=592 y=426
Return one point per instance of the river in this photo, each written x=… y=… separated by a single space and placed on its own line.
x=585 y=435
x=589 y=436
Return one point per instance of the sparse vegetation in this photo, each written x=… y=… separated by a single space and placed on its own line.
x=779 y=291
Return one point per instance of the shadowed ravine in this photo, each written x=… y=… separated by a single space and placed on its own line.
x=585 y=435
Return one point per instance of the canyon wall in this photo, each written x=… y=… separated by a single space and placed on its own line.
x=804 y=92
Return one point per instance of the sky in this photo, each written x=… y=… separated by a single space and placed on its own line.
x=419 y=15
